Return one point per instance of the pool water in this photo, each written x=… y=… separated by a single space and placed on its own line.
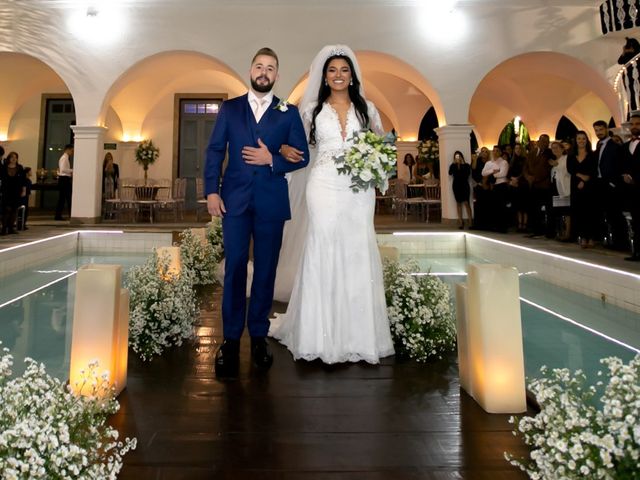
x=39 y=325
x=561 y=328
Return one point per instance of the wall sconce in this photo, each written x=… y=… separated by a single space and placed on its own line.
x=175 y=265
x=492 y=358
x=100 y=325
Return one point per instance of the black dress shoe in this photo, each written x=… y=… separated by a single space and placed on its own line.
x=260 y=354
x=633 y=258
x=227 y=364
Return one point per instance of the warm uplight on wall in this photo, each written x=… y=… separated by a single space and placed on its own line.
x=3 y=137
x=441 y=21
x=126 y=137
x=409 y=139
x=99 y=22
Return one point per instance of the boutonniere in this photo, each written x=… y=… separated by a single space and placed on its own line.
x=282 y=105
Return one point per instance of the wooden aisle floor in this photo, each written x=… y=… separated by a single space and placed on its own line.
x=305 y=420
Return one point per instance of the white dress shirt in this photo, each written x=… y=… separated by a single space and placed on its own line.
x=633 y=144
x=491 y=165
x=259 y=105
x=64 y=166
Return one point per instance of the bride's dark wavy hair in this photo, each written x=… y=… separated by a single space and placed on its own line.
x=358 y=101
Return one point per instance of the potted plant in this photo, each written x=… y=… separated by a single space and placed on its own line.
x=146 y=154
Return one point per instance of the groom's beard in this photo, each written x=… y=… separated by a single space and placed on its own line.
x=261 y=87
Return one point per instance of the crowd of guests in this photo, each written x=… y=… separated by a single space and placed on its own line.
x=15 y=188
x=561 y=189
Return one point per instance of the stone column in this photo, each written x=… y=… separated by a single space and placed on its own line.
x=450 y=139
x=86 y=203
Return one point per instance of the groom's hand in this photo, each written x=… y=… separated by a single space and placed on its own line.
x=291 y=154
x=257 y=156
x=215 y=205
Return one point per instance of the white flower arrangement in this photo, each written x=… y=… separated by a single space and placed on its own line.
x=162 y=307
x=147 y=153
x=200 y=259
x=370 y=161
x=420 y=312
x=428 y=151
x=214 y=235
x=48 y=432
x=571 y=438
x=282 y=105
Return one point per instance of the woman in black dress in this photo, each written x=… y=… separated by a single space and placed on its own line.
x=519 y=187
x=583 y=169
x=13 y=188
x=461 y=171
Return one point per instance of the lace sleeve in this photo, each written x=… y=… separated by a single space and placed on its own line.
x=374 y=119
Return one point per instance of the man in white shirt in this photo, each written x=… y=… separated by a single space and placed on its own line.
x=64 y=181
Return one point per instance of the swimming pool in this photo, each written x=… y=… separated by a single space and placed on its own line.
x=566 y=323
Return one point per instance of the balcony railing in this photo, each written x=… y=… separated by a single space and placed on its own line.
x=618 y=15
x=627 y=86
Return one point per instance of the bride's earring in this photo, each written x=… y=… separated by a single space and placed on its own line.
x=326 y=83
x=351 y=82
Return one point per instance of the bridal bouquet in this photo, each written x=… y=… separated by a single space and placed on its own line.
x=370 y=161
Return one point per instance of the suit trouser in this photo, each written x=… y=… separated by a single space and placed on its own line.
x=64 y=195
x=267 y=239
x=541 y=223
x=611 y=218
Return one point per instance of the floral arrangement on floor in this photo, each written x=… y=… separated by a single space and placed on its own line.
x=420 y=312
x=213 y=232
x=370 y=161
x=146 y=154
x=162 y=307
x=48 y=432
x=571 y=438
x=200 y=258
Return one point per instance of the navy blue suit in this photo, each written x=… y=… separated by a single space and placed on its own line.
x=256 y=199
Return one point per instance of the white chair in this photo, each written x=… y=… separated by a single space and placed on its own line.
x=432 y=197
x=202 y=202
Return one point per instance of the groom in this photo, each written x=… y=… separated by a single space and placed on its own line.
x=253 y=201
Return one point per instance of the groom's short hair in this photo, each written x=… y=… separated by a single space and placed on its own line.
x=268 y=52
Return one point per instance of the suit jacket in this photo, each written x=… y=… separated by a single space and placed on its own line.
x=537 y=166
x=610 y=163
x=263 y=187
x=632 y=167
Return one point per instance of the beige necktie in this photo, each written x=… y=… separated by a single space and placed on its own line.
x=261 y=104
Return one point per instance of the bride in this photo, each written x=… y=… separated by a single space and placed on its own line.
x=329 y=262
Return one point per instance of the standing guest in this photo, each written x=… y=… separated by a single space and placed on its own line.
x=409 y=161
x=519 y=188
x=24 y=201
x=582 y=168
x=495 y=173
x=110 y=170
x=1 y=163
x=64 y=181
x=13 y=188
x=561 y=179
x=461 y=172
x=481 y=191
x=631 y=178
x=252 y=198
x=610 y=158
x=537 y=172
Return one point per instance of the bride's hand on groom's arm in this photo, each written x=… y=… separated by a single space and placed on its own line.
x=291 y=154
x=257 y=156
x=215 y=205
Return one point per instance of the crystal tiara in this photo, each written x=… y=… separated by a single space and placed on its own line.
x=337 y=51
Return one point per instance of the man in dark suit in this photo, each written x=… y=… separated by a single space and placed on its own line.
x=631 y=177
x=608 y=184
x=254 y=204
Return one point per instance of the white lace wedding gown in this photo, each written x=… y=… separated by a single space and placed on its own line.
x=337 y=310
